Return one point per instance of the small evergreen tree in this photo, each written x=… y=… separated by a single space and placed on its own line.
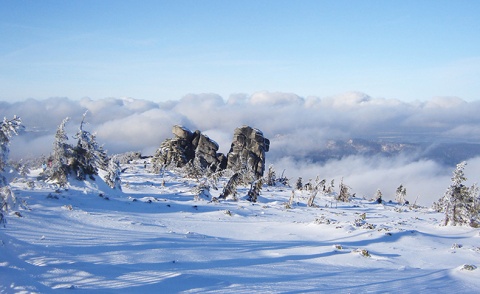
x=255 y=188
x=378 y=196
x=59 y=163
x=299 y=184
x=8 y=128
x=474 y=206
x=460 y=203
x=88 y=155
x=7 y=200
x=344 y=194
x=271 y=177
x=400 y=194
x=230 y=188
x=330 y=189
x=112 y=178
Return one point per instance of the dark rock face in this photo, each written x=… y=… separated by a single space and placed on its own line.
x=248 y=149
x=188 y=146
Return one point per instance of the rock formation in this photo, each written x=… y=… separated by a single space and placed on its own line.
x=248 y=149
x=187 y=147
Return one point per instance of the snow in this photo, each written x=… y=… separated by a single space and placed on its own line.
x=151 y=238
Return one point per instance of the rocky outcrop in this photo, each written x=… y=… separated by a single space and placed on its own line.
x=188 y=147
x=248 y=149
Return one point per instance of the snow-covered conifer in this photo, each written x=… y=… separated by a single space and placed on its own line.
x=344 y=194
x=230 y=188
x=460 y=203
x=254 y=191
x=378 y=196
x=271 y=177
x=400 y=194
x=112 y=178
x=299 y=184
x=8 y=128
x=330 y=189
x=88 y=156
x=59 y=163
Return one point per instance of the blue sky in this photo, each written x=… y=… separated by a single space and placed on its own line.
x=163 y=50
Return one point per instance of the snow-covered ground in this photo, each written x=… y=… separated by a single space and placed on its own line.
x=157 y=239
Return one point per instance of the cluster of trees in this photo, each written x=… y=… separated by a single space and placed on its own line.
x=82 y=160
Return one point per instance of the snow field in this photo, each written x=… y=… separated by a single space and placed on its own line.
x=152 y=238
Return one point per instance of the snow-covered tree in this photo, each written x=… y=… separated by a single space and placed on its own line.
x=59 y=162
x=315 y=188
x=7 y=200
x=400 y=194
x=88 y=156
x=344 y=194
x=299 y=184
x=271 y=176
x=230 y=188
x=378 y=196
x=112 y=178
x=460 y=203
x=330 y=189
x=8 y=128
x=254 y=191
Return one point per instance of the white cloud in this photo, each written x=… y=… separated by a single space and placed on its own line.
x=277 y=98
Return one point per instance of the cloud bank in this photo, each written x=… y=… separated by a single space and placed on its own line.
x=296 y=126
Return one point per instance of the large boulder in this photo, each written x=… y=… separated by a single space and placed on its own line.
x=189 y=146
x=248 y=150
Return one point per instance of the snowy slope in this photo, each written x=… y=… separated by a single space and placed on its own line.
x=155 y=239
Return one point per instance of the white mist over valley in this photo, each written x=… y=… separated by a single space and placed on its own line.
x=372 y=143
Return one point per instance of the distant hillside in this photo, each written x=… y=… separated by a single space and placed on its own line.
x=444 y=153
